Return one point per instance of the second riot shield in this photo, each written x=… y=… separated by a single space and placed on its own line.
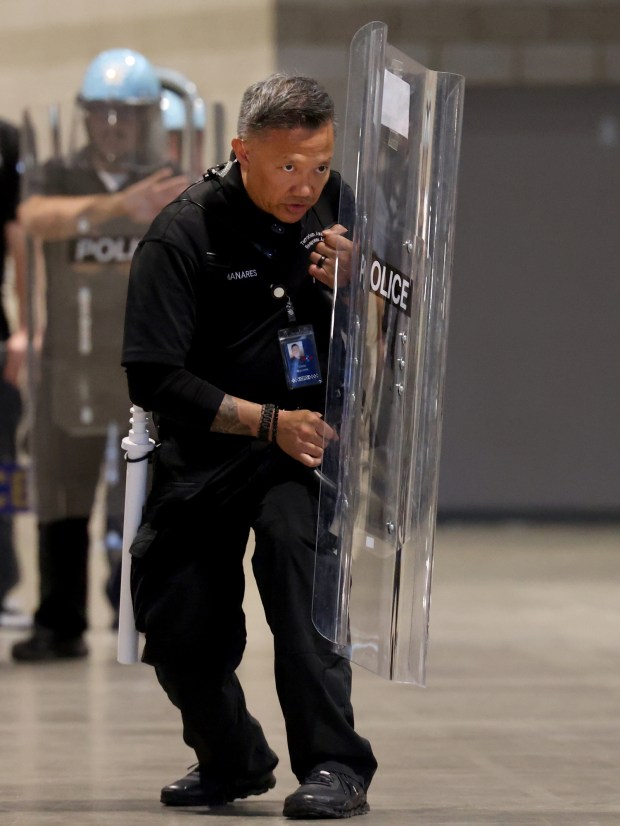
x=386 y=371
x=79 y=273
x=79 y=161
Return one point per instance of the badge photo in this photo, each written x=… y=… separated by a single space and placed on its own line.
x=301 y=364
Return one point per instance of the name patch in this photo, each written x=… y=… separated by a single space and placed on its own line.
x=390 y=284
x=240 y=275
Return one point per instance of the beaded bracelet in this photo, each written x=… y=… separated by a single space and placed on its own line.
x=274 y=426
x=264 y=425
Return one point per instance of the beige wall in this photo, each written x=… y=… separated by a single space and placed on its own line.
x=45 y=46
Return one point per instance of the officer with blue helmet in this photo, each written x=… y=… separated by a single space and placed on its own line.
x=180 y=133
x=120 y=99
x=184 y=136
x=86 y=209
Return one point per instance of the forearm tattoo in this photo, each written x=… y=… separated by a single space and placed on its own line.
x=227 y=419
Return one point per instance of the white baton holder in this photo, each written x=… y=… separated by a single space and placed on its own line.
x=137 y=446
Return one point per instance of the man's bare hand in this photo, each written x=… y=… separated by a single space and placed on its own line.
x=323 y=258
x=16 y=348
x=303 y=434
x=146 y=198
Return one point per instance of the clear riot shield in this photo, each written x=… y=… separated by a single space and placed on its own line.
x=77 y=286
x=78 y=277
x=378 y=491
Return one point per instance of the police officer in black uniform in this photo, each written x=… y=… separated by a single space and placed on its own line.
x=225 y=280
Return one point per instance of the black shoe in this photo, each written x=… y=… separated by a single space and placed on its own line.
x=45 y=645
x=326 y=794
x=194 y=790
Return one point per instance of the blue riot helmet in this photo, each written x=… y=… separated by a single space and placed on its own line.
x=120 y=75
x=120 y=101
x=173 y=111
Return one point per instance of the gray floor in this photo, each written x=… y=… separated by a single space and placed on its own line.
x=518 y=724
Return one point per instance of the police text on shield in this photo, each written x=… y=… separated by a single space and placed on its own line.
x=390 y=284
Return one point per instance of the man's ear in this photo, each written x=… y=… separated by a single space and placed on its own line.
x=238 y=147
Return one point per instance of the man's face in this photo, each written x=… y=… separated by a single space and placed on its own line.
x=114 y=133
x=284 y=170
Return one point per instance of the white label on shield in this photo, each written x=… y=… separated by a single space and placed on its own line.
x=395 y=104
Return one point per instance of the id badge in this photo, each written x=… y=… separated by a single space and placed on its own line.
x=301 y=363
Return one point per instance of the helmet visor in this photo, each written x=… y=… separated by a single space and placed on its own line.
x=114 y=137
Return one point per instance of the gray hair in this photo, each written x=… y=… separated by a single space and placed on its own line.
x=284 y=102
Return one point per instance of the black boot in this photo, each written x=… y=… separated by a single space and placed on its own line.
x=326 y=794
x=60 y=620
x=201 y=789
x=45 y=645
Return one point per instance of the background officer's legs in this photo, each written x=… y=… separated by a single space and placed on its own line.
x=67 y=472
x=10 y=412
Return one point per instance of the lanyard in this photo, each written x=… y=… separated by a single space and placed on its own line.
x=278 y=292
x=290 y=310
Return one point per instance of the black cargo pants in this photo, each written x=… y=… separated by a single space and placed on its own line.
x=188 y=587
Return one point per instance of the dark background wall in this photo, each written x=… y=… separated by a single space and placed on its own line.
x=532 y=402
x=532 y=425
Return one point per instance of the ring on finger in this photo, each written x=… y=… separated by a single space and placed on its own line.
x=320 y=262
